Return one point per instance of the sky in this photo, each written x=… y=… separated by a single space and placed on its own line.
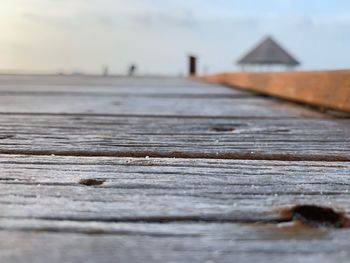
x=157 y=35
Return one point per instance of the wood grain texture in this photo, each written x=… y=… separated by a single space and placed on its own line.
x=197 y=90
x=175 y=243
x=182 y=210
x=166 y=105
x=135 y=96
x=244 y=158
x=140 y=136
x=96 y=81
x=165 y=190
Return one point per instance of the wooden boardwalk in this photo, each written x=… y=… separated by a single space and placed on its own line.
x=165 y=170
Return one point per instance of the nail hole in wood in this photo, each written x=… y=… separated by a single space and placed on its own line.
x=282 y=130
x=317 y=216
x=91 y=182
x=223 y=129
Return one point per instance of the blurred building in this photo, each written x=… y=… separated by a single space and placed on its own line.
x=268 y=55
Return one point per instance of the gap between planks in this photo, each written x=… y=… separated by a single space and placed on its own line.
x=181 y=155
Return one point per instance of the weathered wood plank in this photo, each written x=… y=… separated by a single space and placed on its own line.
x=90 y=80
x=293 y=139
x=124 y=90
x=152 y=96
x=47 y=187
x=170 y=243
x=129 y=105
x=165 y=190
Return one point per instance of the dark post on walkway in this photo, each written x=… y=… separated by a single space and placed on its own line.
x=192 y=67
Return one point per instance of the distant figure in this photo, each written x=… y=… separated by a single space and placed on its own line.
x=132 y=70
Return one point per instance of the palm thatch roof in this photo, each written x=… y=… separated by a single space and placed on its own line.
x=268 y=52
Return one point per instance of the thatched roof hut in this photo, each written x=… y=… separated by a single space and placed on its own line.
x=269 y=52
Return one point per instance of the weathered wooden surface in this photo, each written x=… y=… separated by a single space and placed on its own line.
x=146 y=105
x=329 y=89
x=214 y=210
x=196 y=91
x=152 y=190
x=174 y=243
x=163 y=96
x=239 y=159
x=247 y=138
x=179 y=243
x=96 y=81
